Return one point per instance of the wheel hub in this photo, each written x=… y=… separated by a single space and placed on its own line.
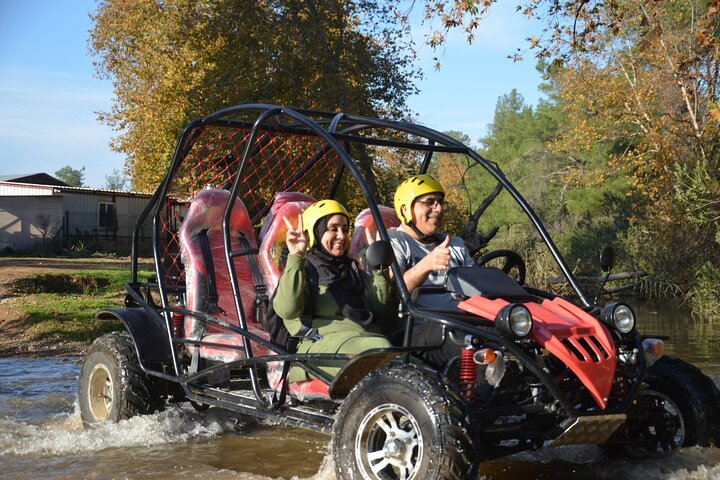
x=390 y=444
x=100 y=393
x=394 y=448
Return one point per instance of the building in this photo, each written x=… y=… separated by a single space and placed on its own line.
x=41 y=213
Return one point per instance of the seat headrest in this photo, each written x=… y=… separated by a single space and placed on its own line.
x=207 y=210
x=272 y=234
x=365 y=225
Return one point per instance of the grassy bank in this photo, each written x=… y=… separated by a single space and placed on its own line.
x=63 y=305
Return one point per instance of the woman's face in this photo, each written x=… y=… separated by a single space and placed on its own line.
x=336 y=239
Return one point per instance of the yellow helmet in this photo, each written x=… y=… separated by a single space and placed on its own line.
x=413 y=188
x=318 y=210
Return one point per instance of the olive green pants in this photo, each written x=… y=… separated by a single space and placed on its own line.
x=348 y=342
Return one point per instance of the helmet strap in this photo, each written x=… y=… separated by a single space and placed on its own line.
x=427 y=240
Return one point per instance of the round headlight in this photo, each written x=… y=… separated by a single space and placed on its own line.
x=623 y=318
x=618 y=316
x=514 y=321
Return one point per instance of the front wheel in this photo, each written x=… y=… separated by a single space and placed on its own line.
x=113 y=387
x=679 y=408
x=402 y=423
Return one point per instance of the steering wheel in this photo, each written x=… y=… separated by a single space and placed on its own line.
x=512 y=260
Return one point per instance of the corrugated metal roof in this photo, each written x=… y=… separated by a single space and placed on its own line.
x=34 y=178
x=60 y=189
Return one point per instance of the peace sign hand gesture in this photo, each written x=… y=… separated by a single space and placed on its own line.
x=295 y=238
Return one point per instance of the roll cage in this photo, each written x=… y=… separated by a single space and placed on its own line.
x=257 y=150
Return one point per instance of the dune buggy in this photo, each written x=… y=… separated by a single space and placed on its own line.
x=528 y=369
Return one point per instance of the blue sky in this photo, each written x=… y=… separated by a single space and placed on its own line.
x=49 y=96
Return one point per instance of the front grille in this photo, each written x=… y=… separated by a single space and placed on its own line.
x=586 y=348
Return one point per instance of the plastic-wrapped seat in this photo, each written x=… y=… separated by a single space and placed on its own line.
x=272 y=260
x=272 y=234
x=207 y=278
x=365 y=226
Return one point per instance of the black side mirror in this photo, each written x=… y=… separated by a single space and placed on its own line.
x=379 y=254
x=607 y=259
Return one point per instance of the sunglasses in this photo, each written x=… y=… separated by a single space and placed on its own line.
x=432 y=202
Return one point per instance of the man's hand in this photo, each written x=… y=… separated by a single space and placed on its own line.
x=437 y=259
x=295 y=238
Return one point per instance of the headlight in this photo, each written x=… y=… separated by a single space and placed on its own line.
x=618 y=316
x=514 y=321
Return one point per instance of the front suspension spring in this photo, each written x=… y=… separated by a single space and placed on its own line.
x=467 y=373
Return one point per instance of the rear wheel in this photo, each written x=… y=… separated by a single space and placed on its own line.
x=113 y=387
x=402 y=423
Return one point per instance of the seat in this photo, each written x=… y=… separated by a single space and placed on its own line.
x=272 y=253
x=365 y=225
x=272 y=257
x=207 y=278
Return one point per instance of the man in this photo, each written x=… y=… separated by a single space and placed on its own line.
x=425 y=254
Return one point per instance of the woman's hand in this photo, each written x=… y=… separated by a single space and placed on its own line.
x=295 y=238
x=370 y=238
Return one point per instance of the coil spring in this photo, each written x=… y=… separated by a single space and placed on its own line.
x=467 y=372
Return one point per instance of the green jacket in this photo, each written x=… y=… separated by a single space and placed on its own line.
x=293 y=294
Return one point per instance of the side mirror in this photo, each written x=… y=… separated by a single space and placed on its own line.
x=379 y=254
x=607 y=259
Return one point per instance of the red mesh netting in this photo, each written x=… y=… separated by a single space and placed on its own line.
x=277 y=162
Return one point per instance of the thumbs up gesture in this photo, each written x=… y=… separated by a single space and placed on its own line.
x=439 y=258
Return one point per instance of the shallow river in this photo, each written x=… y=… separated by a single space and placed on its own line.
x=41 y=435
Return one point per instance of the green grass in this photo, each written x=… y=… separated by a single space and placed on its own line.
x=64 y=305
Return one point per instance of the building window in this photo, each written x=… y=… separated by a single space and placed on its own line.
x=108 y=217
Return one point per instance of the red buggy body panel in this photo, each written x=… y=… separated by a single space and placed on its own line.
x=569 y=333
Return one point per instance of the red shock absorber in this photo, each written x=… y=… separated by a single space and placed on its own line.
x=178 y=325
x=467 y=372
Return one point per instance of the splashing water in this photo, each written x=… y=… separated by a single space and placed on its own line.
x=41 y=436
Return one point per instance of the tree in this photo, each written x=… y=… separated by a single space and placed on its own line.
x=116 y=180
x=174 y=61
x=649 y=95
x=47 y=227
x=71 y=176
x=637 y=86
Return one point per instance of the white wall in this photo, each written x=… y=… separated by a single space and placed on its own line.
x=22 y=219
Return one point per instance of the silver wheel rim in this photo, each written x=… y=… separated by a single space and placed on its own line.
x=672 y=415
x=100 y=393
x=389 y=444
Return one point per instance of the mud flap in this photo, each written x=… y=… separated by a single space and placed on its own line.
x=148 y=333
x=357 y=368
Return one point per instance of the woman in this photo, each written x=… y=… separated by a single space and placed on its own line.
x=322 y=295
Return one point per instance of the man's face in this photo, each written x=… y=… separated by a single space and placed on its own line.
x=427 y=213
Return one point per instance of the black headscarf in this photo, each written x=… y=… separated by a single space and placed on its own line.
x=341 y=275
